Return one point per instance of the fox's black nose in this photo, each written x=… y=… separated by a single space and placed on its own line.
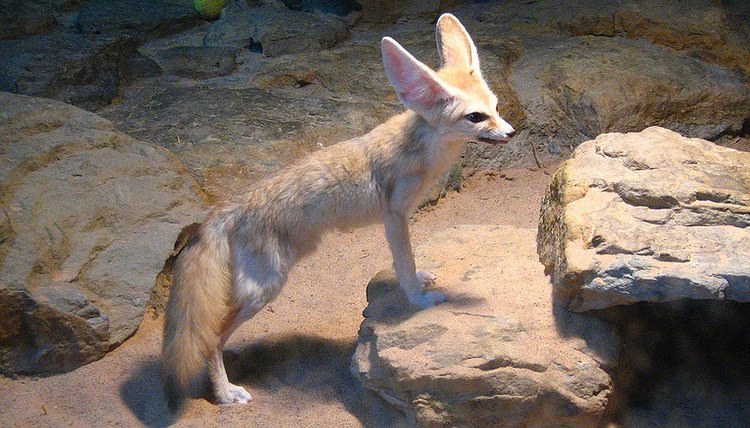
x=511 y=133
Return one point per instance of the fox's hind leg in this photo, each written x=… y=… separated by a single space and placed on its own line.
x=226 y=392
x=258 y=279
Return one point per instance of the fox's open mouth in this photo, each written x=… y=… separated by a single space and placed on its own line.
x=492 y=140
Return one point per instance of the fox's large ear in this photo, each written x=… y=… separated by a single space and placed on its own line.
x=454 y=44
x=418 y=87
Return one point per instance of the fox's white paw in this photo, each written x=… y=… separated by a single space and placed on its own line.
x=428 y=299
x=233 y=394
x=426 y=278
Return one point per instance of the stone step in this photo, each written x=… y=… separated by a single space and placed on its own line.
x=497 y=353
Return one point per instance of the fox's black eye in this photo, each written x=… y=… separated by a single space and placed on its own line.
x=476 y=117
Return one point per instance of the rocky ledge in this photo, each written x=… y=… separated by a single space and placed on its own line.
x=648 y=217
x=497 y=353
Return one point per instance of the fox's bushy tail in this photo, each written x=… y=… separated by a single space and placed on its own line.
x=195 y=311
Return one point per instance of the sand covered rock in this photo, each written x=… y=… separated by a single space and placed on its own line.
x=497 y=353
x=649 y=216
x=231 y=137
x=89 y=216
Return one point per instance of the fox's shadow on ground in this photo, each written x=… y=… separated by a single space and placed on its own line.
x=317 y=368
x=144 y=396
x=314 y=368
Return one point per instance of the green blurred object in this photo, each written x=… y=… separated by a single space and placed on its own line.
x=209 y=9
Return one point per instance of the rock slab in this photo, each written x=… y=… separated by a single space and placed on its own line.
x=276 y=31
x=649 y=216
x=74 y=68
x=497 y=353
x=88 y=218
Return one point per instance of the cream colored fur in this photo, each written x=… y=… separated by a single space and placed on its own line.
x=242 y=254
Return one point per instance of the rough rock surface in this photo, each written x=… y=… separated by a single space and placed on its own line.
x=711 y=31
x=198 y=62
x=390 y=11
x=276 y=31
x=497 y=353
x=336 y=7
x=573 y=89
x=68 y=67
x=89 y=216
x=142 y=18
x=230 y=137
x=24 y=18
x=90 y=53
x=564 y=74
x=648 y=216
x=619 y=66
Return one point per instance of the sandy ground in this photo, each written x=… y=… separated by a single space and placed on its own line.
x=294 y=356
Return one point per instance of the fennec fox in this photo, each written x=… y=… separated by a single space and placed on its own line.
x=242 y=254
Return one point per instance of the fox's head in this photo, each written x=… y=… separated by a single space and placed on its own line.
x=456 y=100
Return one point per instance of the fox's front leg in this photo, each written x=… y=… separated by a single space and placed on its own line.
x=426 y=278
x=411 y=281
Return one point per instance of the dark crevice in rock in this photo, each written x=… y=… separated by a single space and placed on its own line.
x=715 y=196
x=666 y=257
x=487 y=316
x=255 y=46
x=497 y=363
x=616 y=249
x=597 y=241
x=642 y=198
x=635 y=165
x=682 y=363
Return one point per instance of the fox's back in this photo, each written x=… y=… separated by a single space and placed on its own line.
x=344 y=185
x=335 y=186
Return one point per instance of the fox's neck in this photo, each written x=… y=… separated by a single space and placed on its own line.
x=410 y=134
x=411 y=127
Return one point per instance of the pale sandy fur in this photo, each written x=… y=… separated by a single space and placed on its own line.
x=243 y=252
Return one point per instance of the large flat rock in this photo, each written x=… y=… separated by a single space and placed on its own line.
x=89 y=216
x=649 y=216
x=497 y=353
